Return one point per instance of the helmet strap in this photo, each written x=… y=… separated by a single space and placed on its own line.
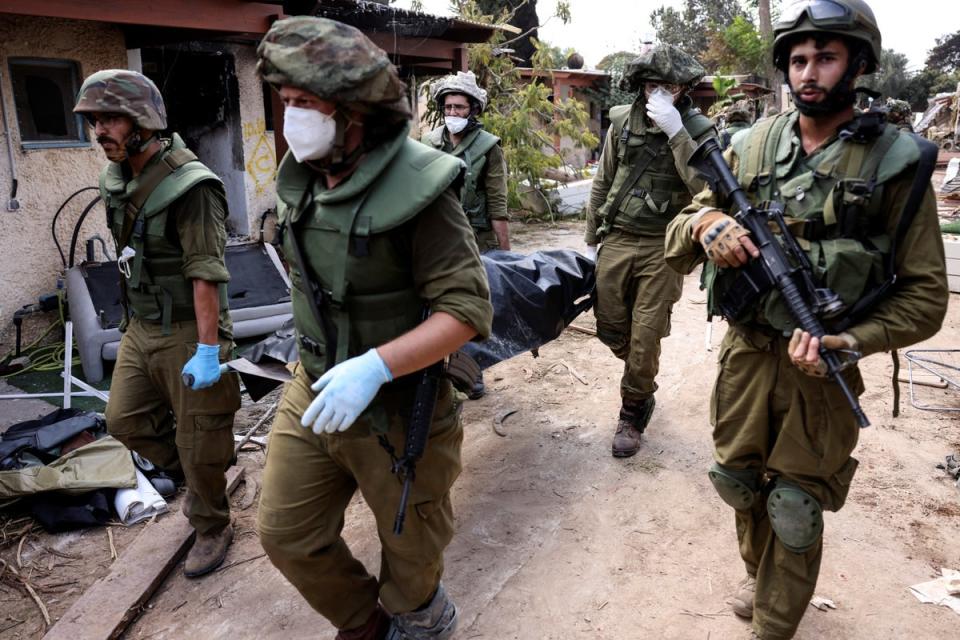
x=136 y=144
x=340 y=159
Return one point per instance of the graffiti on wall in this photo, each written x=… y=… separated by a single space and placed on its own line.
x=262 y=163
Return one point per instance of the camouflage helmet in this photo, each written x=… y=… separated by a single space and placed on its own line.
x=662 y=63
x=899 y=111
x=739 y=111
x=847 y=18
x=332 y=60
x=123 y=91
x=462 y=82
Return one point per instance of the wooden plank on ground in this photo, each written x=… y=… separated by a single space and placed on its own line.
x=110 y=604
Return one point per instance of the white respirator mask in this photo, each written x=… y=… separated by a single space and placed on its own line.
x=455 y=124
x=309 y=133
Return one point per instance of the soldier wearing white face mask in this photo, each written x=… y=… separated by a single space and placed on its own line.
x=375 y=237
x=484 y=195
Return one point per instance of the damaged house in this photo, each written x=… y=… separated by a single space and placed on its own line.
x=202 y=55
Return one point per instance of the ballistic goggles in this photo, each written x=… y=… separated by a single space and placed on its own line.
x=826 y=14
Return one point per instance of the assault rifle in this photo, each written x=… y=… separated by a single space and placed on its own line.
x=418 y=431
x=784 y=267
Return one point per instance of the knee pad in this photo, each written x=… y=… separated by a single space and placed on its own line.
x=615 y=340
x=796 y=517
x=435 y=621
x=737 y=487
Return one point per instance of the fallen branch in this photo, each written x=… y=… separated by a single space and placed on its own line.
x=113 y=549
x=249 y=434
x=572 y=371
x=249 y=493
x=61 y=554
x=30 y=590
x=245 y=560
x=586 y=330
x=20 y=550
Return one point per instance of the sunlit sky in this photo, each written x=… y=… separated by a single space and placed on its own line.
x=600 y=27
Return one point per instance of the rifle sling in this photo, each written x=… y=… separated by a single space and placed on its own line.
x=651 y=151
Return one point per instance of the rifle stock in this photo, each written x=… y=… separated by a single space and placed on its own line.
x=708 y=160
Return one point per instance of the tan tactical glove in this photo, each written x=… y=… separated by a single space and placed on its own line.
x=721 y=236
x=805 y=351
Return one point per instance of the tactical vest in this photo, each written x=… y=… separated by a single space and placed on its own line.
x=660 y=193
x=359 y=277
x=155 y=289
x=473 y=150
x=833 y=205
x=727 y=133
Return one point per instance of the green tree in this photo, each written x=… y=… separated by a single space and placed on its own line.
x=926 y=84
x=891 y=77
x=522 y=113
x=945 y=55
x=558 y=57
x=611 y=94
x=690 y=28
x=722 y=86
x=737 y=48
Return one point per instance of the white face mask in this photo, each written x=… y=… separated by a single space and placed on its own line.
x=309 y=133
x=660 y=91
x=455 y=124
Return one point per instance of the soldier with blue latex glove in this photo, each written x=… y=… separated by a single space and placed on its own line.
x=203 y=367
x=344 y=392
x=394 y=302
x=174 y=296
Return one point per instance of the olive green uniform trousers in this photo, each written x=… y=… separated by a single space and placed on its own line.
x=771 y=418
x=635 y=295
x=179 y=430
x=309 y=481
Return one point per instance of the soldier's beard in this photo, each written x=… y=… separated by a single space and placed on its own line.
x=839 y=97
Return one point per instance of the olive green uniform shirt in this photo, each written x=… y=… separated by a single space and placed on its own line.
x=915 y=308
x=681 y=145
x=493 y=180
x=199 y=219
x=446 y=265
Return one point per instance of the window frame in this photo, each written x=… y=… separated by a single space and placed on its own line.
x=73 y=67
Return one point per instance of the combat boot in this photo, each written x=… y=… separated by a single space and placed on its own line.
x=375 y=628
x=633 y=420
x=742 y=601
x=436 y=620
x=207 y=552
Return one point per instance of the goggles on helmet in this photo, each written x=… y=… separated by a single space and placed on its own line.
x=821 y=13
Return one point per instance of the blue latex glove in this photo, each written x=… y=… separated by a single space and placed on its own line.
x=204 y=366
x=344 y=392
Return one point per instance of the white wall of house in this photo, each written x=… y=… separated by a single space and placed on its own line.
x=29 y=262
x=260 y=160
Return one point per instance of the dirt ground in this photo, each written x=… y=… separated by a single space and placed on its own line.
x=557 y=539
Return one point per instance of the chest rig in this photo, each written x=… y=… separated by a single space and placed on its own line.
x=833 y=205
x=647 y=191
x=152 y=284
